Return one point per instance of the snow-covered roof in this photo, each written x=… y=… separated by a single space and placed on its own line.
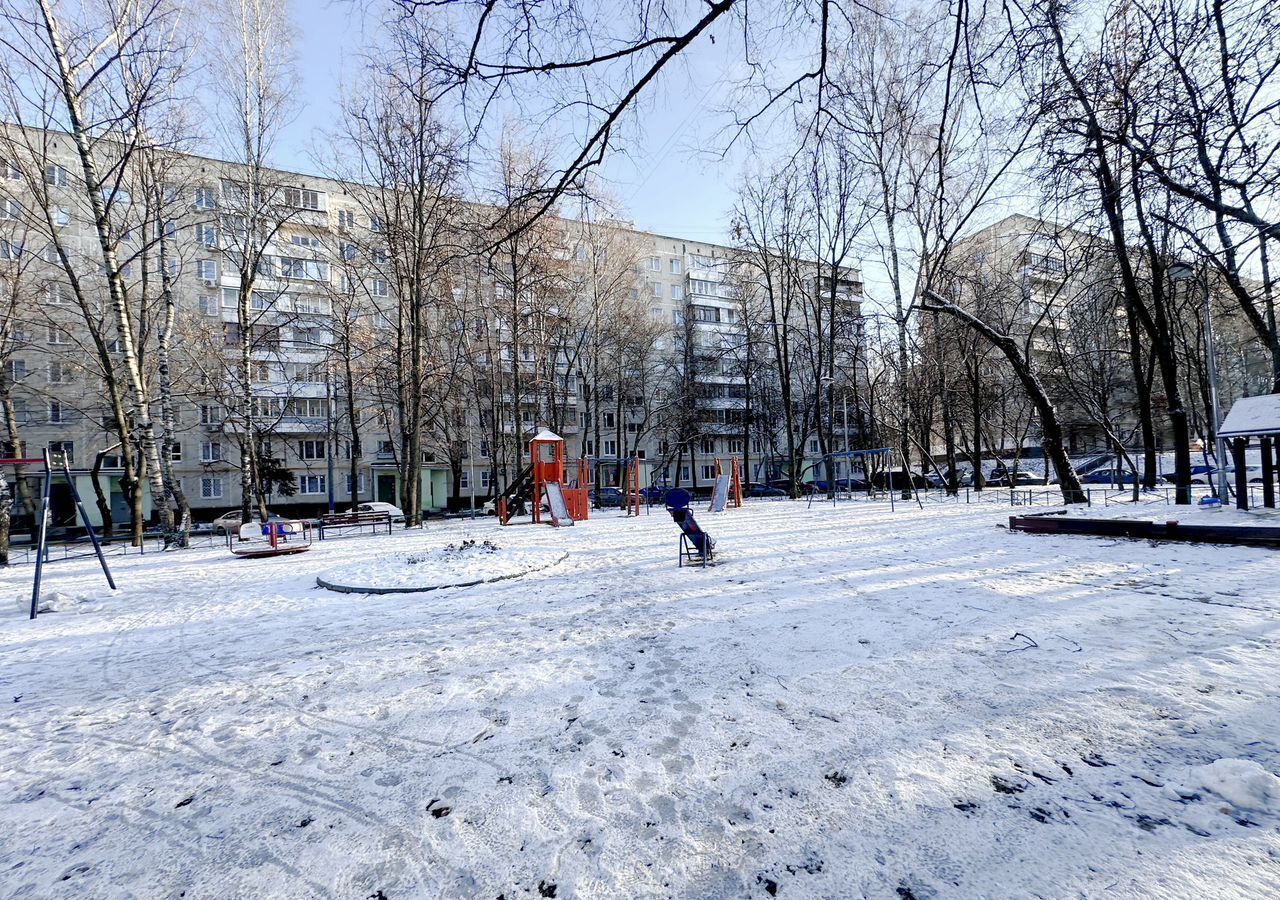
x=1252 y=416
x=547 y=434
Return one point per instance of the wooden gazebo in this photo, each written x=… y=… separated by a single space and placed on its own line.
x=1254 y=417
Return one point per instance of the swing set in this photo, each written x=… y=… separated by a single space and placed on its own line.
x=42 y=519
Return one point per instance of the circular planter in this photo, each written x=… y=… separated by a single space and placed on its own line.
x=363 y=581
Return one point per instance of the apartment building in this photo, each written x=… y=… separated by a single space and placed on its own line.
x=1057 y=289
x=321 y=316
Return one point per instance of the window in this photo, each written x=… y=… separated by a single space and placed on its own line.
x=10 y=209
x=302 y=240
x=206 y=235
x=610 y=420
x=375 y=224
x=464 y=482
x=346 y=218
x=378 y=288
x=303 y=269
x=58 y=373
x=311 y=449
x=301 y=198
x=706 y=313
x=60 y=216
x=17 y=370
x=206 y=269
x=210 y=415
x=610 y=448
x=175 y=452
x=9 y=250
x=360 y=484
x=655 y=289
x=677 y=292
x=379 y=256
x=231 y=334
x=348 y=251
x=207 y=305
x=9 y=170
x=65 y=449
x=484 y=449
x=55 y=175
x=709 y=472
x=676 y=266
x=484 y=479
x=655 y=264
x=55 y=412
x=59 y=335
x=708 y=445
x=210 y=488
x=55 y=294
x=206 y=199
x=311 y=484
x=385 y=448
x=211 y=451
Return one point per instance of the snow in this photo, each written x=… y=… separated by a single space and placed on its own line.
x=852 y=702
x=1252 y=415
x=1242 y=783
x=463 y=564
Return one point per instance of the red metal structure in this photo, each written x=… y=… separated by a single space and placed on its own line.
x=566 y=504
x=734 y=496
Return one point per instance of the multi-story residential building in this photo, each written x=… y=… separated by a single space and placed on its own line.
x=1057 y=289
x=318 y=329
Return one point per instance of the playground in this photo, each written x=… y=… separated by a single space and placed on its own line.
x=850 y=701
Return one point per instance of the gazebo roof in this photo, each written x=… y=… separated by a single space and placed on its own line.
x=547 y=434
x=1252 y=417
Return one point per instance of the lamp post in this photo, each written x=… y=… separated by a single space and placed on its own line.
x=1181 y=271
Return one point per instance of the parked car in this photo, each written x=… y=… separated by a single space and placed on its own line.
x=231 y=522
x=377 y=506
x=964 y=478
x=1108 y=476
x=852 y=484
x=1007 y=478
x=654 y=493
x=606 y=496
x=757 y=489
x=1209 y=474
x=899 y=479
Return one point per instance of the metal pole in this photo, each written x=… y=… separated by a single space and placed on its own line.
x=1219 y=447
x=41 y=533
x=331 y=442
x=84 y=516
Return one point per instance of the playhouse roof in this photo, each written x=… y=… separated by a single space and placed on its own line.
x=547 y=435
x=1252 y=416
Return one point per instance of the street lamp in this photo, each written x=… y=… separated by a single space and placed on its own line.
x=1180 y=271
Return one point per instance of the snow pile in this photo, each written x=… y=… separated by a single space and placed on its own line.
x=1241 y=782
x=455 y=565
x=62 y=601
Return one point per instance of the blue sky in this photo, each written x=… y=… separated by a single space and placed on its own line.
x=665 y=178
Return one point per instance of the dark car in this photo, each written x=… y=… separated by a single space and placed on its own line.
x=852 y=484
x=1108 y=476
x=606 y=496
x=899 y=478
x=756 y=489
x=654 y=493
x=1006 y=478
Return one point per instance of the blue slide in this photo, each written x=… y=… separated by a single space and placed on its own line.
x=692 y=537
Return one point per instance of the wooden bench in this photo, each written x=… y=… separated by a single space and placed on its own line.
x=341 y=523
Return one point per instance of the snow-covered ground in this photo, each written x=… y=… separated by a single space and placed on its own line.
x=851 y=703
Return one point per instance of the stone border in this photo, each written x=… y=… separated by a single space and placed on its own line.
x=350 y=589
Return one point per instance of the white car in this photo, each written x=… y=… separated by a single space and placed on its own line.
x=230 y=522
x=377 y=506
